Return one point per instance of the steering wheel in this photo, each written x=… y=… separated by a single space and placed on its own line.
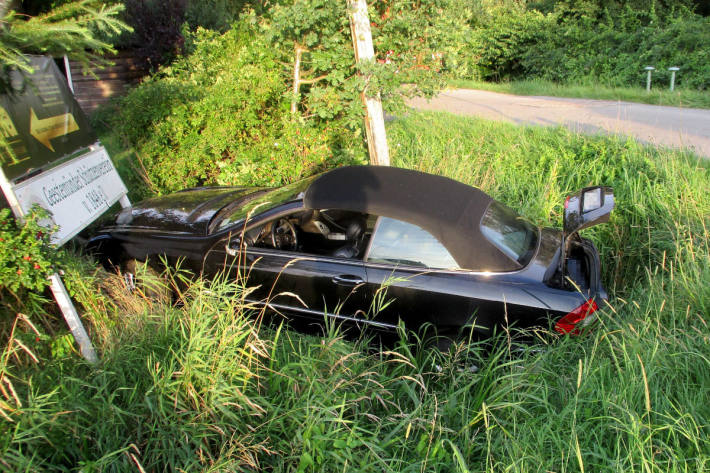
x=283 y=235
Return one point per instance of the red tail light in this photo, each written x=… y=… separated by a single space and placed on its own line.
x=568 y=323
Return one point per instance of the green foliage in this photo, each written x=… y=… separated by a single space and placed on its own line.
x=413 y=43
x=608 y=42
x=421 y=40
x=26 y=258
x=75 y=29
x=220 y=116
x=213 y=14
x=502 y=44
x=225 y=113
x=617 y=51
x=198 y=386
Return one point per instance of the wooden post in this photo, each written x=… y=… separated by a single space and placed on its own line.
x=364 y=51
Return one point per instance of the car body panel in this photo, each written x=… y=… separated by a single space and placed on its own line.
x=311 y=286
x=189 y=211
x=188 y=228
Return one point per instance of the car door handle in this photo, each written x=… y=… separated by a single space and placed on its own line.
x=348 y=280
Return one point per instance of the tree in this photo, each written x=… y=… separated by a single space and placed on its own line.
x=78 y=29
x=413 y=43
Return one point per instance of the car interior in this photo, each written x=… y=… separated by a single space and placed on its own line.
x=337 y=233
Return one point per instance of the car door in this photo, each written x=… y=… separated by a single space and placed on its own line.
x=412 y=278
x=293 y=283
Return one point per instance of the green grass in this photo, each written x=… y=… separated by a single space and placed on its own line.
x=659 y=94
x=199 y=386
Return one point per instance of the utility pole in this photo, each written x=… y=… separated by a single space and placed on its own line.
x=364 y=51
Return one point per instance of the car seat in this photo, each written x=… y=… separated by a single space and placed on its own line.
x=354 y=232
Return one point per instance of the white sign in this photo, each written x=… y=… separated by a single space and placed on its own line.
x=75 y=193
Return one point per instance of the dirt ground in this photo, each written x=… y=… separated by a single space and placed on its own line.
x=659 y=125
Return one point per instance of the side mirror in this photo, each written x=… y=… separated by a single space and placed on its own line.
x=586 y=208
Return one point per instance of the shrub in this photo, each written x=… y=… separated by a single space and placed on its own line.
x=220 y=115
x=25 y=255
x=213 y=14
x=501 y=45
x=26 y=260
x=591 y=44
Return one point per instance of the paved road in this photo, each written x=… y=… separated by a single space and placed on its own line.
x=666 y=126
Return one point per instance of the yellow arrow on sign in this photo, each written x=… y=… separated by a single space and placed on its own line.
x=7 y=128
x=46 y=129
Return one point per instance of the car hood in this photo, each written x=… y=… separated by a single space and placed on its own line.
x=188 y=211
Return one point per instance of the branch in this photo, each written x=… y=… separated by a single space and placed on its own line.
x=314 y=80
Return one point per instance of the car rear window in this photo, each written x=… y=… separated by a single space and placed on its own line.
x=398 y=242
x=509 y=232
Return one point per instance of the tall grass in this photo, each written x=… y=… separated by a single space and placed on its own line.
x=169 y=393
x=199 y=386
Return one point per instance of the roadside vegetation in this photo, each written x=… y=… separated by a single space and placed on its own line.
x=606 y=44
x=183 y=386
x=659 y=95
x=202 y=383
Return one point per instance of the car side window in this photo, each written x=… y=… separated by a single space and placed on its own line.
x=398 y=242
x=330 y=232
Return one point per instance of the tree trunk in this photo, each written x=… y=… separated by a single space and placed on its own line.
x=296 y=78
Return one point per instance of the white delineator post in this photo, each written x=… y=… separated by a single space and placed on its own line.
x=364 y=51
x=673 y=71
x=648 y=77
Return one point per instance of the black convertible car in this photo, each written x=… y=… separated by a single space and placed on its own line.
x=372 y=246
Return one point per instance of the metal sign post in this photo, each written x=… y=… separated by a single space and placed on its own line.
x=72 y=318
x=673 y=70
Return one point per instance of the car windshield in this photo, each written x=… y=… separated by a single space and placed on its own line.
x=508 y=231
x=260 y=201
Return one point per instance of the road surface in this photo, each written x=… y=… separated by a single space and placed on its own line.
x=659 y=125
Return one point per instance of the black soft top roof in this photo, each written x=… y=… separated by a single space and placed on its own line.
x=448 y=209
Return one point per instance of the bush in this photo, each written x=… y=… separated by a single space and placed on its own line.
x=501 y=45
x=26 y=260
x=569 y=45
x=26 y=257
x=213 y=14
x=220 y=116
